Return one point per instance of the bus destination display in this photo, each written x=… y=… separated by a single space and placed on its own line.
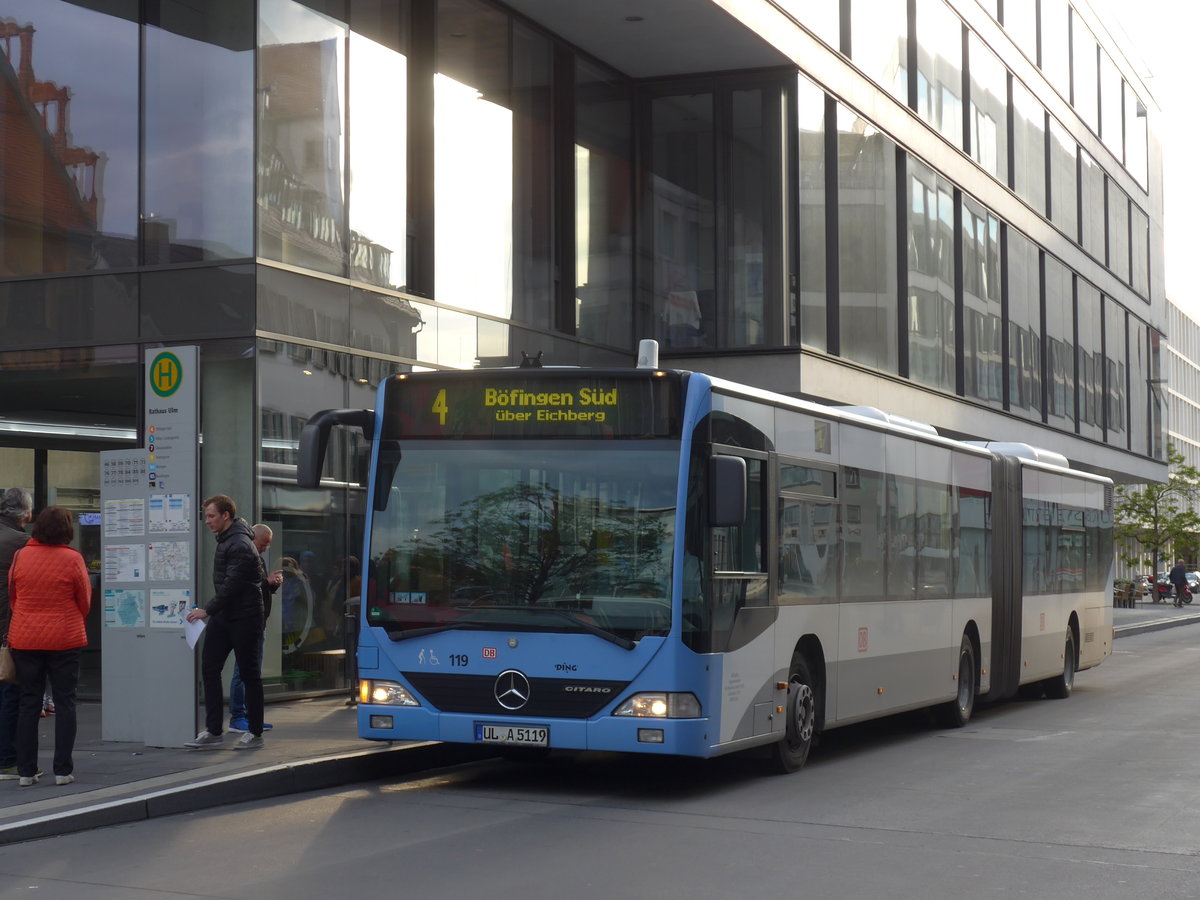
x=520 y=405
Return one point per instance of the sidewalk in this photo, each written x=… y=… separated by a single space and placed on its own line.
x=313 y=745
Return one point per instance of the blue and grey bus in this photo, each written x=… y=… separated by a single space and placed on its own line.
x=664 y=562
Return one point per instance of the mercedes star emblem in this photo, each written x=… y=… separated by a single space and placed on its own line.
x=512 y=689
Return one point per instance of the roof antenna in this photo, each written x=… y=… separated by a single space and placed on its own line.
x=531 y=362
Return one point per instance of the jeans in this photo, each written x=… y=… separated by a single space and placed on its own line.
x=10 y=696
x=237 y=690
x=33 y=667
x=244 y=637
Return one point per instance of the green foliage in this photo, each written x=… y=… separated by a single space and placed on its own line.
x=1161 y=516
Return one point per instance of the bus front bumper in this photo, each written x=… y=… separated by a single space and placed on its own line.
x=679 y=737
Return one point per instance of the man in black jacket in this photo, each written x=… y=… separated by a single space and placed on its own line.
x=235 y=622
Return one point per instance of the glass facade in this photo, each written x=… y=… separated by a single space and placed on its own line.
x=322 y=193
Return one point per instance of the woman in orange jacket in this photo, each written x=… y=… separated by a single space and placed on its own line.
x=49 y=592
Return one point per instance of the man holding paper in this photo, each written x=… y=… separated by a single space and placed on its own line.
x=235 y=621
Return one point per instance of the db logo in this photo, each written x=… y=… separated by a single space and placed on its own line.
x=489 y=652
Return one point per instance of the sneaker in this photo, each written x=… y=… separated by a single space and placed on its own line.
x=28 y=781
x=249 y=741
x=9 y=773
x=267 y=726
x=47 y=707
x=239 y=724
x=63 y=779
x=206 y=739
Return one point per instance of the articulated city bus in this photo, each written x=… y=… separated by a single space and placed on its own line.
x=663 y=562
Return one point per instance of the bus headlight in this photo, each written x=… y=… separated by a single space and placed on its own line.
x=388 y=693
x=663 y=705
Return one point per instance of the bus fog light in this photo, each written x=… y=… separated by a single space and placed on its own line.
x=388 y=693
x=660 y=705
x=650 y=735
x=381 y=722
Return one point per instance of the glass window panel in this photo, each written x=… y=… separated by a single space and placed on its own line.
x=603 y=213
x=939 y=69
x=931 y=338
x=203 y=301
x=901 y=519
x=1118 y=232
x=458 y=340
x=1020 y=21
x=1060 y=346
x=809 y=551
x=1112 y=125
x=821 y=17
x=301 y=137
x=810 y=115
x=982 y=305
x=1085 y=91
x=90 y=392
x=69 y=158
x=1139 y=386
x=314 y=532
x=1116 y=372
x=1139 y=242
x=1091 y=361
x=1135 y=136
x=1029 y=148
x=935 y=577
x=378 y=143
x=989 y=109
x=681 y=211
x=867 y=243
x=303 y=306
x=1064 y=199
x=199 y=133
x=879 y=44
x=972 y=493
x=533 y=164
x=1024 y=327
x=1092 y=213
x=1056 y=44
x=755 y=218
x=384 y=323
x=58 y=312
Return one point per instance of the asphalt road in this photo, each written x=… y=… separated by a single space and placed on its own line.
x=1097 y=796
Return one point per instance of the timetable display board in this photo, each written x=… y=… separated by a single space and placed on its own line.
x=527 y=403
x=149 y=525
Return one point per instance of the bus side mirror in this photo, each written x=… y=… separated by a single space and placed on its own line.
x=314 y=439
x=726 y=491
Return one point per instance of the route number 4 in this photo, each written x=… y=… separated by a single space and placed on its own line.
x=439 y=406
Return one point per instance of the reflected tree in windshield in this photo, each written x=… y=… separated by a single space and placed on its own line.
x=526 y=542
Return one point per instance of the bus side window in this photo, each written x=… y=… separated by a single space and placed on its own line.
x=739 y=548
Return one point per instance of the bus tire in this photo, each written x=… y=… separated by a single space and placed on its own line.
x=1059 y=687
x=957 y=712
x=791 y=752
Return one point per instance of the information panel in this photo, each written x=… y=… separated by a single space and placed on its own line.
x=148 y=535
x=532 y=403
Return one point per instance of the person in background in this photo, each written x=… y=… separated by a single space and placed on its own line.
x=234 y=623
x=1178 y=577
x=50 y=594
x=270 y=584
x=16 y=509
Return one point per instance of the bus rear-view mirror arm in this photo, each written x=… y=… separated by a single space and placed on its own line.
x=314 y=439
x=726 y=491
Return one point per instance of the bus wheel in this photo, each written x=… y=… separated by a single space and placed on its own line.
x=957 y=712
x=790 y=753
x=1059 y=687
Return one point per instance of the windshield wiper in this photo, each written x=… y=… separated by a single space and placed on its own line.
x=573 y=618
x=402 y=635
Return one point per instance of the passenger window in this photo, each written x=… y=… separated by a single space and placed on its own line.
x=739 y=548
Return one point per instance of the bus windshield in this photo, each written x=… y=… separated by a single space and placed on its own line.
x=526 y=535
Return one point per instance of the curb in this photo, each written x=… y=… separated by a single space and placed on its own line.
x=1155 y=625
x=257 y=784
